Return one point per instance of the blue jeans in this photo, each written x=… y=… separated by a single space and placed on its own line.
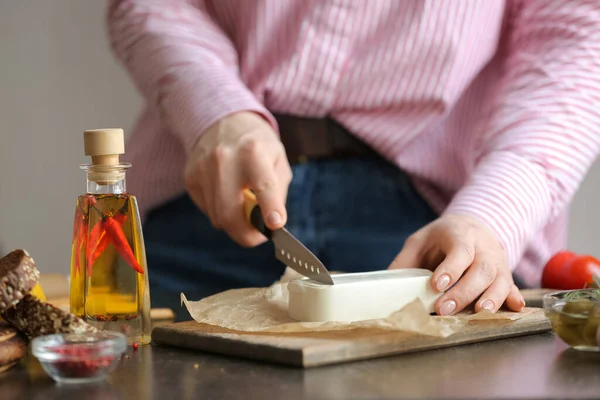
x=354 y=214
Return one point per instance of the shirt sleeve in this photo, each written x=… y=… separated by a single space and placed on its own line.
x=182 y=62
x=544 y=132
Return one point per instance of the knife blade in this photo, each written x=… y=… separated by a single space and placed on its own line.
x=288 y=249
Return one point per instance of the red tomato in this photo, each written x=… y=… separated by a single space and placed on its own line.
x=554 y=273
x=567 y=270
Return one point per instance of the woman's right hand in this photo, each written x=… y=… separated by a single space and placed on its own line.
x=239 y=151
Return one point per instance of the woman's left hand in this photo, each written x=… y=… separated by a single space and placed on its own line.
x=462 y=252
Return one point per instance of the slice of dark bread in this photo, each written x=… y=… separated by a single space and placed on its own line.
x=18 y=276
x=36 y=318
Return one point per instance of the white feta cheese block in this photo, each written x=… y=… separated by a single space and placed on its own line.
x=360 y=296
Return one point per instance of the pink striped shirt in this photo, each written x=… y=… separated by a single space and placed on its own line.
x=491 y=106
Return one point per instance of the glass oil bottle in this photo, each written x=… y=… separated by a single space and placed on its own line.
x=109 y=277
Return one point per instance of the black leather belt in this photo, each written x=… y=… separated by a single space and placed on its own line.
x=307 y=139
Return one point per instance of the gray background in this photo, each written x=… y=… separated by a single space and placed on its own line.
x=58 y=78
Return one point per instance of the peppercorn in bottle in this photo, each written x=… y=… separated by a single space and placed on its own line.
x=109 y=280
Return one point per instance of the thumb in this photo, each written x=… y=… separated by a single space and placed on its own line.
x=272 y=206
x=409 y=256
x=270 y=198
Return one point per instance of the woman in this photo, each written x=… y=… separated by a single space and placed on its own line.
x=445 y=135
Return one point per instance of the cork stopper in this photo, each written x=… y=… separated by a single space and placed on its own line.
x=104 y=147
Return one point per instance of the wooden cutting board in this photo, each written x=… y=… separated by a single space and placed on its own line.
x=322 y=348
x=535 y=297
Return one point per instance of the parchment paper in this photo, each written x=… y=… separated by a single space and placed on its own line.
x=265 y=310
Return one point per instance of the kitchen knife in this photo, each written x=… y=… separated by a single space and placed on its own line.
x=288 y=249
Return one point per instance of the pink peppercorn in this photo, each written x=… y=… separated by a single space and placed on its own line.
x=82 y=367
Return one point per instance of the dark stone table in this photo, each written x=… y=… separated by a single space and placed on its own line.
x=538 y=366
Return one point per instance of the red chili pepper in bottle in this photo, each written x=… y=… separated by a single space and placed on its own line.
x=81 y=241
x=79 y=236
x=77 y=223
x=76 y=236
x=118 y=239
x=93 y=238
x=104 y=240
x=98 y=248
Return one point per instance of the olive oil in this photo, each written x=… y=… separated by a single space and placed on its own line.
x=109 y=276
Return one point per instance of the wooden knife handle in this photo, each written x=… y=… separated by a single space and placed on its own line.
x=253 y=214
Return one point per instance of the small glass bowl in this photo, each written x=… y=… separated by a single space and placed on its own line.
x=575 y=317
x=74 y=358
